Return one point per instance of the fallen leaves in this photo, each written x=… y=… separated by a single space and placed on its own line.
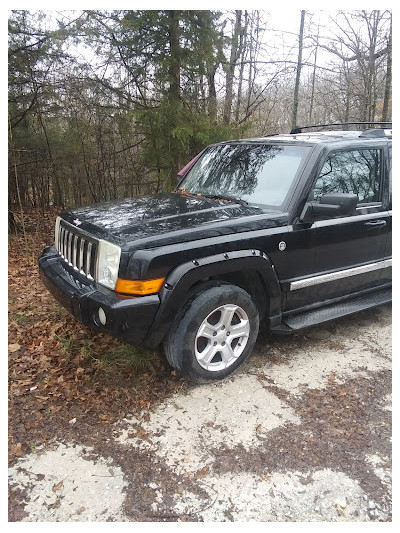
x=56 y=365
x=17 y=450
x=12 y=348
x=58 y=486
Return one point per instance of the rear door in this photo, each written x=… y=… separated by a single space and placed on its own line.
x=386 y=276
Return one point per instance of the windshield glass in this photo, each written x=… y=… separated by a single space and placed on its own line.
x=259 y=174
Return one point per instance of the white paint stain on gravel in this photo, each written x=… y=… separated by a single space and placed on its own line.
x=186 y=429
x=354 y=351
x=381 y=467
x=289 y=496
x=63 y=486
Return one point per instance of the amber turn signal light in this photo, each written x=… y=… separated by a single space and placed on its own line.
x=139 y=287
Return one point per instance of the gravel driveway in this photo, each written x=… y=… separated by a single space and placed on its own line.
x=301 y=433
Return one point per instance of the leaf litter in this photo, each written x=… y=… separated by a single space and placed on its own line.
x=58 y=368
x=70 y=384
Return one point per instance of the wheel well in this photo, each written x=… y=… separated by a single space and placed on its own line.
x=249 y=280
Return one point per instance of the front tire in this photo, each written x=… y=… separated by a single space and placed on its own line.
x=213 y=334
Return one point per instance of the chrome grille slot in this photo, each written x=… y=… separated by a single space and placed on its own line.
x=69 y=248
x=81 y=250
x=88 y=258
x=60 y=246
x=78 y=250
x=74 y=252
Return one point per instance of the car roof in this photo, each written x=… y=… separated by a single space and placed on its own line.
x=317 y=137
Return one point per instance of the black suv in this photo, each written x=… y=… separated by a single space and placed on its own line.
x=289 y=230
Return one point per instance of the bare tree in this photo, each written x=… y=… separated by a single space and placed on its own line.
x=363 y=49
x=314 y=73
x=388 y=80
x=235 y=50
x=298 y=70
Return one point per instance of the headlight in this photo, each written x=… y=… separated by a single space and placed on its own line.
x=108 y=257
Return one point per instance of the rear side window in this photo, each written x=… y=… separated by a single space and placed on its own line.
x=353 y=171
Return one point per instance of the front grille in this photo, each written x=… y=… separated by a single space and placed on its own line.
x=77 y=250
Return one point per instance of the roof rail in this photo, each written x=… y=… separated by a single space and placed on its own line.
x=299 y=129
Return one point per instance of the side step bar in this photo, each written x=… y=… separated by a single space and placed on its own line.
x=324 y=314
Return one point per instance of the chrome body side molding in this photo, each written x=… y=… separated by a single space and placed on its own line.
x=334 y=276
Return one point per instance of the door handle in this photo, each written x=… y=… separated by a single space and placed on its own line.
x=375 y=224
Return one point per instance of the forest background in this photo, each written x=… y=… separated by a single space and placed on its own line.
x=109 y=104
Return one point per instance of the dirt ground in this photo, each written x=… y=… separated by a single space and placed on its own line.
x=301 y=433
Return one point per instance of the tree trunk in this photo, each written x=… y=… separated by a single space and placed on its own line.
x=212 y=92
x=388 y=82
x=243 y=53
x=298 y=71
x=175 y=57
x=371 y=78
x=174 y=88
x=313 y=81
x=230 y=69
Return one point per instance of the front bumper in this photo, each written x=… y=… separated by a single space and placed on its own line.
x=128 y=319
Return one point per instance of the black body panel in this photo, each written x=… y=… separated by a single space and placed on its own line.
x=289 y=264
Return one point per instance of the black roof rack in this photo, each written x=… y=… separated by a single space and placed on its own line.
x=299 y=129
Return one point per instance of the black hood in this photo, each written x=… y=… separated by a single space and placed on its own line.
x=165 y=218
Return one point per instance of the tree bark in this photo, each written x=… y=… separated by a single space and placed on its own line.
x=212 y=92
x=174 y=89
x=313 y=81
x=388 y=82
x=230 y=70
x=243 y=52
x=298 y=71
x=175 y=57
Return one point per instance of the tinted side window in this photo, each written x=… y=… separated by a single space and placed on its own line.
x=353 y=171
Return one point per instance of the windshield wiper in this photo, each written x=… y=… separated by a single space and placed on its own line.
x=183 y=191
x=225 y=197
x=228 y=198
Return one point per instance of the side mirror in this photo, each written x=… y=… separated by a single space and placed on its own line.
x=330 y=205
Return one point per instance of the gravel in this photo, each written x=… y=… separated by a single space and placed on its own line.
x=300 y=434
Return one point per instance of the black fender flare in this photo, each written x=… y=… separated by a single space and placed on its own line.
x=179 y=282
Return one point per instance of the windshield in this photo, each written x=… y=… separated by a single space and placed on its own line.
x=259 y=174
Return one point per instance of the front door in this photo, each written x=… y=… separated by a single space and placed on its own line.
x=347 y=253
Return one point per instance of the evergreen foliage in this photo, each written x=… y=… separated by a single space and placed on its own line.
x=111 y=104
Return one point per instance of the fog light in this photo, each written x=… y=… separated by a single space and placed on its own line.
x=102 y=316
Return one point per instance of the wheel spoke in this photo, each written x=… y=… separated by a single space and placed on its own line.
x=240 y=330
x=207 y=355
x=206 y=330
x=227 y=353
x=227 y=314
